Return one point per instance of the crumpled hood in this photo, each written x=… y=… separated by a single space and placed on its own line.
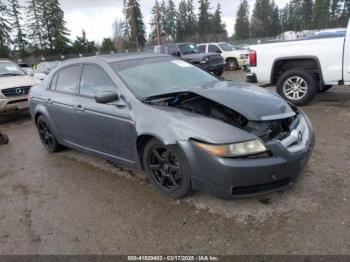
x=253 y=102
x=17 y=81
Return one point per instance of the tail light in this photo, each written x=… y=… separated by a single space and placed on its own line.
x=252 y=58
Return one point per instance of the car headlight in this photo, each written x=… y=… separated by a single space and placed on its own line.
x=205 y=60
x=246 y=148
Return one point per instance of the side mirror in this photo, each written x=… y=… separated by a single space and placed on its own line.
x=219 y=51
x=106 y=97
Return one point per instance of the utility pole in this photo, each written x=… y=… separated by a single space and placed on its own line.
x=158 y=24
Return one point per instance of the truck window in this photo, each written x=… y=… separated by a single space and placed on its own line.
x=214 y=49
x=172 y=50
x=202 y=48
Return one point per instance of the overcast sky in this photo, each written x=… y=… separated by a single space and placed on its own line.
x=97 y=16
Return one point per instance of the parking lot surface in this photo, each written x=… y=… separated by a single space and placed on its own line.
x=71 y=203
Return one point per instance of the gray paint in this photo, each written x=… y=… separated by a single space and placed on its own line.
x=111 y=130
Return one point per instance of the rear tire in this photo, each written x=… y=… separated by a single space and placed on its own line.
x=232 y=64
x=47 y=137
x=167 y=169
x=297 y=86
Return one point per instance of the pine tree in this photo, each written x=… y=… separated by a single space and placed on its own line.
x=204 y=25
x=274 y=20
x=82 y=45
x=181 y=21
x=34 y=25
x=5 y=31
x=191 y=22
x=107 y=45
x=321 y=13
x=134 y=23
x=260 y=19
x=15 y=15
x=306 y=15
x=59 y=31
x=171 y=20
x=218 y=28
x=242 y=26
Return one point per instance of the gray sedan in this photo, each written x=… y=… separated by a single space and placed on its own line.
x=184 y=127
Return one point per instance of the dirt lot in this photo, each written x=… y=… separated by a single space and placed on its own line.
x=71 y=203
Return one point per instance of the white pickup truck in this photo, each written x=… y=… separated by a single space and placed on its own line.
x=302 y=68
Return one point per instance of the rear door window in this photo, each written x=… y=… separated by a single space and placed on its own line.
x=94 y=79
x=68 y=79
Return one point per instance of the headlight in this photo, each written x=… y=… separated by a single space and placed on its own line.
x=205 y=60
x=251 y=147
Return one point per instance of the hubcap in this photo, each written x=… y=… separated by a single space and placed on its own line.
x=45 y=134
x=231 y=65
x=165 y=168
x=295 y=88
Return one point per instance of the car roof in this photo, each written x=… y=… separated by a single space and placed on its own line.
x=4 y=60
x=111 y=58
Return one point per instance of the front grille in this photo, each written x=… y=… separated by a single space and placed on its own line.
x=16 y=91
x=215 y=59
x=261 y=188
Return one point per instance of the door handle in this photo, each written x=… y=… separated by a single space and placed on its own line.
x=79 y=108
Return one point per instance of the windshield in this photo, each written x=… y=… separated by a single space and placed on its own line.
x=10 y=69
x=156 y=76
x=189 y=49
x=226 y=47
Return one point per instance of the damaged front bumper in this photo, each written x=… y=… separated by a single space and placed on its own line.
x=236 y=178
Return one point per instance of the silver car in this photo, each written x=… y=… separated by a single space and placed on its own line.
x=183 y=126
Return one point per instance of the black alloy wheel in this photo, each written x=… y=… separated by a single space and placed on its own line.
x=166 y=169
x=47 y=137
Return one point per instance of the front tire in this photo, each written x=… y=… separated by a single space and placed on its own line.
x=167 y=169
x=47 y=137
x=297 y=86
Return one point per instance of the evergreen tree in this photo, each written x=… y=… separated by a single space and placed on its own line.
x=170 y=15
x=5 y=31
x=306 y=14
x=260 y=19
x=34 y=25
x=15 y=15
x=107 y=45
x=274 y=20
x=82 y=45
x=181 y=21
x=204 y=25
x=191 y=21
x=218 y=28
x=242 y=26
x=60 y=33
x=135 y=34
x=321 y=13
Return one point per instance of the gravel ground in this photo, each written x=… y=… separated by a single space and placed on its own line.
x=71 y=203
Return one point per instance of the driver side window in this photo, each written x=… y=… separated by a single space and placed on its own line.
x=94 y=79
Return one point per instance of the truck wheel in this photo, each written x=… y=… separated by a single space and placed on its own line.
x=297 y=86
x=232 y=64
x=325 y=88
